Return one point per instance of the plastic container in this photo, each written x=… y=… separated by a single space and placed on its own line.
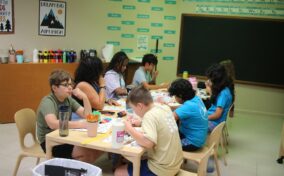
x=64 y=57
x=12 y=55
x=185 y=74
x=35 y=56
x=20 y=58
x=64 y=117
x=92 y=170
x=117 y=133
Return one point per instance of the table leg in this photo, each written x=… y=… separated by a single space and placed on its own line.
x=136 y=164
x=49 y=145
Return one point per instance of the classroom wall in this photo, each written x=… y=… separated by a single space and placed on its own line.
x=93 y=23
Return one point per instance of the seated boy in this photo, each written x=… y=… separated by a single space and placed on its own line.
x=160 y=136
x=146 y=74
x=47 y=116
x=192 y=115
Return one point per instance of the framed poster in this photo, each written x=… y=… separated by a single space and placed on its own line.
x=52 y=18
x=7 y=17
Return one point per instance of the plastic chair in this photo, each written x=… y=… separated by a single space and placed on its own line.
x=26 y=123
x=214 y=138
x=225 y=132
x=202 y=167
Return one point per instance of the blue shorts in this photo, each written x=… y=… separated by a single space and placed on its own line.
x=211 y=126
x=144 y=169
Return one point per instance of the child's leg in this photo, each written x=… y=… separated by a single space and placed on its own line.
x=211 y=126
x=186 y=144
x=144 y=169
x=121 y=171
x=85 y=154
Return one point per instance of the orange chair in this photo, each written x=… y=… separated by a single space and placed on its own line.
x=26 y=123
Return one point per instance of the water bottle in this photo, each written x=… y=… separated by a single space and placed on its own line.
x=185 y=74
x=64 y=117
x=35 y=56
x=117 y=133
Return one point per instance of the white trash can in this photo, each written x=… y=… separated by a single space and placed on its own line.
x=91 y=169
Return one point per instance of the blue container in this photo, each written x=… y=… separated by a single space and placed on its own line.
x=20 y=59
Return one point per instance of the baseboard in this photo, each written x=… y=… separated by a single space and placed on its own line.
x=260 y=112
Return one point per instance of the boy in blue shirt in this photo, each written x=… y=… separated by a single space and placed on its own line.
x=192 y=115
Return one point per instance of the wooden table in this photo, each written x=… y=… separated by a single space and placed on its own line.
x=79 y=138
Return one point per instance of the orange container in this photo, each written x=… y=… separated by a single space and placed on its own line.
x=20 y=52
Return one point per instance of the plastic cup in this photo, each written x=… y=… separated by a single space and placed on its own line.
x=20 y=59
x=92 y=128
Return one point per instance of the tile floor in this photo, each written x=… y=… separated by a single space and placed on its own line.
x=253 y=149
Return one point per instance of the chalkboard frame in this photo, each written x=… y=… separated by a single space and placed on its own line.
x=181 y=57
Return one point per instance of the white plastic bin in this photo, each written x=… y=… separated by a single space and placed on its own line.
x=91 y=169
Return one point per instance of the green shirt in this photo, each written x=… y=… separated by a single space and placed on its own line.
x=49 y=105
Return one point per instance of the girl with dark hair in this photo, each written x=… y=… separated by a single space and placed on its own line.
x=230 y=68
x=115 y=84
x=192 y=115
x=89 y=78
x=222 y=94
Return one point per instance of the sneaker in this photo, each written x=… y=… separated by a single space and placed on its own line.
x=210 y=165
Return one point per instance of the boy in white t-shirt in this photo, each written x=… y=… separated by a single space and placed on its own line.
x=160 y=136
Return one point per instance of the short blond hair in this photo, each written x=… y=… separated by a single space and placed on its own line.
x=139 y=94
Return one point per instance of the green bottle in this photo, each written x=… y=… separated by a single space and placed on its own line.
x=64 y=57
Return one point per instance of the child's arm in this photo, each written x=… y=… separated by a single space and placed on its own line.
x=138 y=136
x=87 y=106
x=153 y=87
x=53 y=122
x=217 y=114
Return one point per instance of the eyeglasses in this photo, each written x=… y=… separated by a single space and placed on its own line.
x=67 y=84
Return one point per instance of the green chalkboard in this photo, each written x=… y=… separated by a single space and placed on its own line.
x=255 y=45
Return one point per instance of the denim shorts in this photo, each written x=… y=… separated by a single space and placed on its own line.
x=144 y=169
x=211 y=126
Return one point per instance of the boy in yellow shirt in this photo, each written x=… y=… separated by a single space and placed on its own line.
x=160 y=136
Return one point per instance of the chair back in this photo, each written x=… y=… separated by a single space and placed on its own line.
x=216 y=135
x=202 y=168
x=228 y=113
x=26 y=123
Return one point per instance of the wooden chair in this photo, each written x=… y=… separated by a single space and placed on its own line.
x=26 y=123
x=225 y=132
x=202 y=167
x=214 y=138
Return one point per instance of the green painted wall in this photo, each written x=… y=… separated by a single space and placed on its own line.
x=93 y=23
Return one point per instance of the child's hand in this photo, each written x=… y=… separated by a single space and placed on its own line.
x=112 y=102
x=128 y=125
x=134 y=121
x=164 y=85
x=155 y=74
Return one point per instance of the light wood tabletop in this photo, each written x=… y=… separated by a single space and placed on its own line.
x=80 y=138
